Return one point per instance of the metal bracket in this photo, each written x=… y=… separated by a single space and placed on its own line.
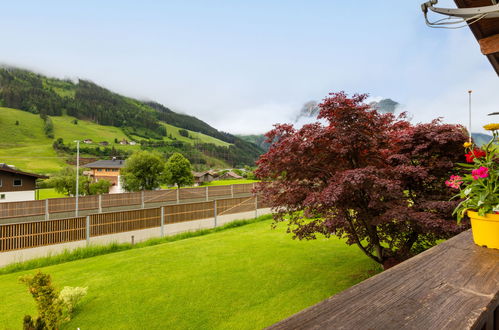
x=465 y=13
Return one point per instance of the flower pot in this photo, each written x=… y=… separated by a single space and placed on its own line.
x=485 y=229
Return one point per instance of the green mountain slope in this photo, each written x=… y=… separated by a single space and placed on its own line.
x=256 y=139
x=25 y=145
x=102 y=115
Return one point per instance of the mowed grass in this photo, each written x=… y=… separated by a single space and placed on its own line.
x=229 y=182
x=247 y=277
x=49 y=193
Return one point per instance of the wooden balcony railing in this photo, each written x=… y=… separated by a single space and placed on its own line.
x=454 y=285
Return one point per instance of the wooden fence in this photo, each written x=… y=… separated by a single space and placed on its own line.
x=48 y=232
x=44 y=208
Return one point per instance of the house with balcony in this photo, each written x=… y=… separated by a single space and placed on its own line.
x=17 y=185
x=107 y=170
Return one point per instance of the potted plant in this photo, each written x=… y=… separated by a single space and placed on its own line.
x=479 y=190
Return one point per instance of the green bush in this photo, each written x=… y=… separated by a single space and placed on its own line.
x=48 y=304
x=69 y=297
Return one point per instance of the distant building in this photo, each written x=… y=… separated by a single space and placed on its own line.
x=104 y=143
x=107 y=170
x=16 y=185
x=230 y=176
x=202 y=177
x=132 y=143
x=88 y=141
x=124 y=142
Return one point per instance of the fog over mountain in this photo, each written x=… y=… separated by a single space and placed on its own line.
x=309 y=111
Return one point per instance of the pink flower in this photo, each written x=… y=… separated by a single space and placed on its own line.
x=481 y=172
x=454 y=181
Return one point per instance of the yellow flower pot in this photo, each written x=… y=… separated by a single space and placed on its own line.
x=485 y=229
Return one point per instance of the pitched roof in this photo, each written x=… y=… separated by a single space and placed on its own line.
x=6 y=168
x=231 y=174
x=484 y=28
x=113 y=163
x=200 y=174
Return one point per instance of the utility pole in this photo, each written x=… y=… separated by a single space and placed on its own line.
x=77 y=175
x=469 y=113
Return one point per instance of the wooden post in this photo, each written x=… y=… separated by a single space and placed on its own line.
x=87 y=227
x=162 y=221
x=256 y=206
x=178 y=196
x=142 y=204
x=215 y=212
x=133 y=240
x=47 y=214
x=206 y=193
x=232 y=190
x=100 y=203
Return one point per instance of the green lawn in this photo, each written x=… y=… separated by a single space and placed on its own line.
x=228 y=182
x=242 y=278
x=49 y=193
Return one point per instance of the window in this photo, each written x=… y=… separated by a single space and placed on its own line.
x=108 y=170
x=0 y=182
x=18 y=182
x=2 y=196
x=99 y=170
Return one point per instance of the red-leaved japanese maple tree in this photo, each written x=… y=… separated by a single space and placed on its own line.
x=371 y=178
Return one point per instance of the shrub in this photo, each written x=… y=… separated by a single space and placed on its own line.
x=47 y=303
x=70 y=297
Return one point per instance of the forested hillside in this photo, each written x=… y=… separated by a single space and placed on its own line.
x=150 y=123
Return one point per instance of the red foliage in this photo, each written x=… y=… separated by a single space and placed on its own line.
x=374 y=179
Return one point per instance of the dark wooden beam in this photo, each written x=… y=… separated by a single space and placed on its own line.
x=489 y=45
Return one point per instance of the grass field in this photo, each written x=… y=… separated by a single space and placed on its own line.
x=242 y=278
x=49 y=193
x=228 y=182
x=26 y=146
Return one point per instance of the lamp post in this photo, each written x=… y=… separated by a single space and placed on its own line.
x=469 y=113
x=77 y=175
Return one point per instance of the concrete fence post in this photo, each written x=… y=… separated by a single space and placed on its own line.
x=87 y=229
x=162 y=221
x=232 y=190
x=256 y=206
x=142 y=203
x=178 y=195
x=47 y=214
x=206 y=193
x=215 y=212
x=100 y=203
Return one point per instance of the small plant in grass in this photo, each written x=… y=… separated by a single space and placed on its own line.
x=48 y=304
x=70 y=297
x=53 y=307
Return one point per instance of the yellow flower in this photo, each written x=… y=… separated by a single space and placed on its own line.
x=491 y=127
x=467 y=144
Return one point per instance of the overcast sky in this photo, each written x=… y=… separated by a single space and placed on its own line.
x=242 y=66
